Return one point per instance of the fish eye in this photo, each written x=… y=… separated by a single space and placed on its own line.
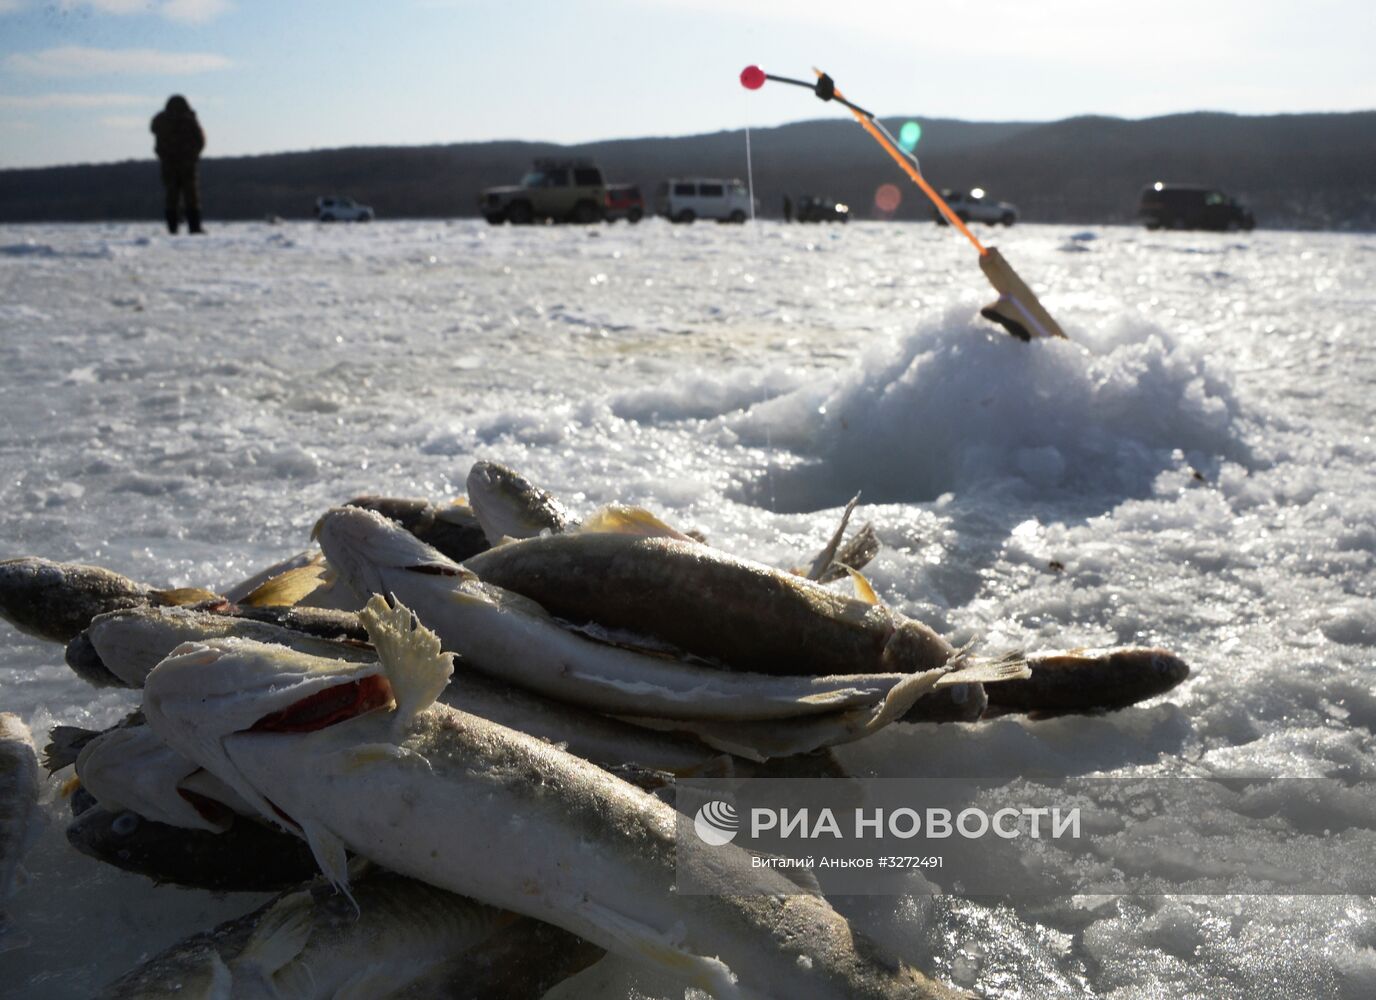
x=125 y=824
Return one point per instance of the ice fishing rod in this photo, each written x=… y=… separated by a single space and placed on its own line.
x=1016 y=309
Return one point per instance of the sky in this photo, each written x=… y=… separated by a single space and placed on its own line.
x=79 y=79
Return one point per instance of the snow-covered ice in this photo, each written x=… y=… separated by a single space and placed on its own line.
x=1194 y=469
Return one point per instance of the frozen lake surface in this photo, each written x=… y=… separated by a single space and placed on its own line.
x=1194 y=469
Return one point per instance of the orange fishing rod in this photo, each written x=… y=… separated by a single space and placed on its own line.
x=1017 y=309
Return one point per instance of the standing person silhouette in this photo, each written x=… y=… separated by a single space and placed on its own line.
x=179 y=144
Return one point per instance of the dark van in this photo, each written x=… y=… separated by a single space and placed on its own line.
x=1184 y=206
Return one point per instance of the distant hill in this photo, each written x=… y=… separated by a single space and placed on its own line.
x=1310 y=171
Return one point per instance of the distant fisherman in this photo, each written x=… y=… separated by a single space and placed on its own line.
x=179 y=144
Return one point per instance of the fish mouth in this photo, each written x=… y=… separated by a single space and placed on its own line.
x=327 y=707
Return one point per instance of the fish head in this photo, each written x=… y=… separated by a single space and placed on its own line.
x=373 y=555
x=508 y=505
x=1159 y=669
x=130 y=768
x=205 y=692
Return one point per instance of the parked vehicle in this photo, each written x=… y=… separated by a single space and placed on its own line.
x=333 y=208
x=558 y=190
x=1187 y=206
x=683 y=199
x=624 y=202
x=971 y=206
x=814 y=209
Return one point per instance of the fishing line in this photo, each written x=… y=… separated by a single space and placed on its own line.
x=749 y=175
x=1017 y=309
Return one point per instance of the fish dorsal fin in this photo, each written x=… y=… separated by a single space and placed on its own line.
x=416 y=667
x=824 y=559
x=618 y=519
x=863 y=590
x=177 y=597
x=1007 y=667
x=289 y=588
x=280 y=936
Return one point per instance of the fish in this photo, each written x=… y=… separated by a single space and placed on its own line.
x=128 y=644
x=55 y=601
x=514 y=639
x=312 y=943
x=323 y=623
x=452 y=528
x=246 y=856
x=18 y=814
x=145 y=808
x=741 y=614
x=1089 y=680
x=508 y=505
x=484 y=811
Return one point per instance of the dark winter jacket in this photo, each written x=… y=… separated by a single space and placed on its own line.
x=179 y=135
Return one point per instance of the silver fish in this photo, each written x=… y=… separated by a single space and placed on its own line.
x=511 y=637
x=481 y=810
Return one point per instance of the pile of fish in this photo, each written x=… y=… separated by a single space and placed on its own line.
x=468 y=719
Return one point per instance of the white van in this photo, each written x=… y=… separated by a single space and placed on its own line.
x=332 y=209
x=683 y=199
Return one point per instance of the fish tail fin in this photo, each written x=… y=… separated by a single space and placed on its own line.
x=416 y=667
x=64 y=746
x=280 y=936
x=822 y=563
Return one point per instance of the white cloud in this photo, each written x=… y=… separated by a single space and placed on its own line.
x=76 y=60
x=194 y=11
x=44 y=101
x=189 y=11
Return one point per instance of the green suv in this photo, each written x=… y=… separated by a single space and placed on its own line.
x=559 y=190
